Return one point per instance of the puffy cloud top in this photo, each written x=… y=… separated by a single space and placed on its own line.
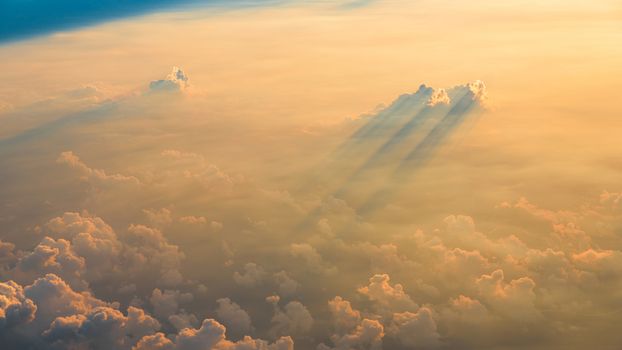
x=176 y=81
x=15 y=308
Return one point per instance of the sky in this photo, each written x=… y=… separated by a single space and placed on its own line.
x=313 y=175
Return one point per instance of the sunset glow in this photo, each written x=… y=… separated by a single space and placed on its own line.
x=313 y=175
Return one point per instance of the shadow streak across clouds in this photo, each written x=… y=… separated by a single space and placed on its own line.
x=37 y=133
x=422 y=152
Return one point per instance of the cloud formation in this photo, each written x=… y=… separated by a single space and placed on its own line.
x=176 y=81
x=205 y=246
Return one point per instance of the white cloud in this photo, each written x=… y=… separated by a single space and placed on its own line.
x=439 y=96
x=176 y=81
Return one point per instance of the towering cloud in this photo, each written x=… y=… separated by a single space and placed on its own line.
x=176 y=81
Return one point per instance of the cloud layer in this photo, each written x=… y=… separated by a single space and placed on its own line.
x=194 y=231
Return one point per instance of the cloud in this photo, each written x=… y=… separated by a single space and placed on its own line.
x=388 y=298
x=252 y=276
x=367 y=335
x=183 y=320
x=97 y=176
x=103 y=326
x=237 y=321
x=416 y=330
x=516 y=278
x=468 y=319
x=55 y=298
x=211 y=335
x=293 y=319
x=398 y=140
x=193 y=220
x=7 y=255
x=514 y=299
x=53 y=256
x=439 y=96
x=148 y=244
x=15 y=308
x=52 y=315
x=55 y=316
x=311 y=257
x=195 y=168
x=287 y=286
x=159 y=218
x=478 y=92
x=87 y=250
x=603 y=263
x=465 y=298
x=176 y=81
x=166 y=303
x=345 y=318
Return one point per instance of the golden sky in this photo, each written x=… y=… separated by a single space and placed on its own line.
x=321 y=175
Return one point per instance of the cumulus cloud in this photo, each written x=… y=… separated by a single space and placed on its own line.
x=394 y=314
x=367 y=335
x=416 y=330
x=7 y=254
x=148 y=244
x=388 y=298
x=166 y=303
x=193 y=220
x=211 y=335
x=103 y=326
x=237 y=321
x=55 y=316
x=293 y=319
x=514 y=299
x=604 y=263
x=287 y=286
x=55 y=298
x=97 y=176
x=439 y=96
x=83 y=249
x=311 y=258
x=53 y=256
x=345 y=318
x=194 y=168
x=160 y=217
x=183 y=320
x=478 y=92
x=15 y=308
x=176 y=81
x=252 y=276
